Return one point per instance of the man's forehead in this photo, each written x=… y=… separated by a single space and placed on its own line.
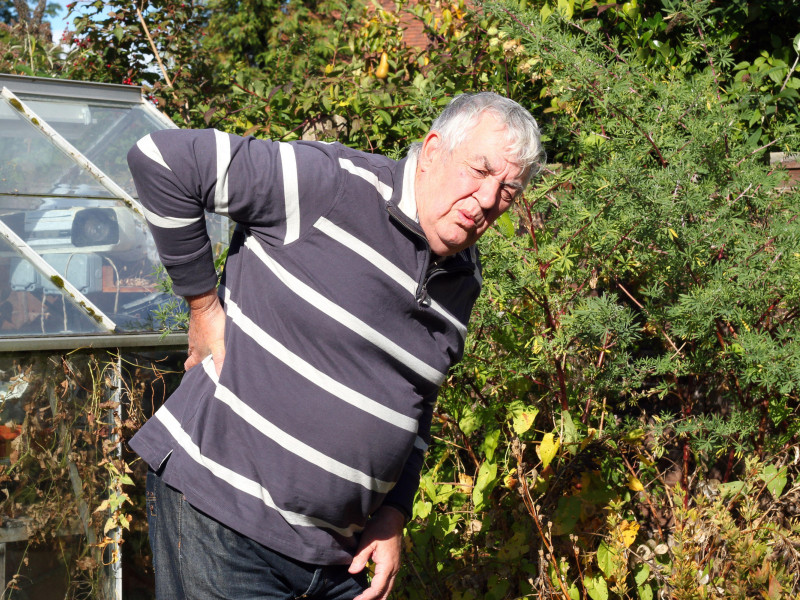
x=496 y=164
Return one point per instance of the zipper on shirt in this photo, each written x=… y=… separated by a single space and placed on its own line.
x=465 y=269
x=421 y=294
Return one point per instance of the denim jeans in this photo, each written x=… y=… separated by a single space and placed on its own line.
x=198 y=558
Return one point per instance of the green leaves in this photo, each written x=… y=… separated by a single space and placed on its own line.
x=596 y=587
x=608 y=559
x=522 y=416
x=775 y=479
x=484 y=483
x=769 y=476
x=505 y=225
x=640 y=576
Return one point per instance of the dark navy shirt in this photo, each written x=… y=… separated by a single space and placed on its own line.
x=340 y=330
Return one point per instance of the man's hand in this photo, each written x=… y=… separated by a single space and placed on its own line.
x=206 y=330
x=381 y=541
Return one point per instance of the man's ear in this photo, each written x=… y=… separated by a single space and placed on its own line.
x=431 y=149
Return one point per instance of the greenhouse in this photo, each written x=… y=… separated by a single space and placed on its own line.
x=83 y=350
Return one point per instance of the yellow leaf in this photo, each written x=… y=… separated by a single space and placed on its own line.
x=523 y=421
x=635 y=484
x=522 y=416
x=110 y=524
x=547 y=449
x=591 y=432
x=673 y=234
x=627 y=532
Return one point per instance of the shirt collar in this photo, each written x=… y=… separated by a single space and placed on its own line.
x=408 y=201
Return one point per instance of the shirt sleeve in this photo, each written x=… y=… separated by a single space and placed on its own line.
x=401 y=496
x=181 y=174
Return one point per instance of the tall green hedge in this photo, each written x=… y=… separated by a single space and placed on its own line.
x=624 y=422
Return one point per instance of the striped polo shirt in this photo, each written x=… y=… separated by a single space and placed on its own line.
x=340 y=328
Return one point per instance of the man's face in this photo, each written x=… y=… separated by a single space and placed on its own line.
x=461 y=193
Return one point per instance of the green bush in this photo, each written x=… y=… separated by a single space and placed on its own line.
x=636 y=339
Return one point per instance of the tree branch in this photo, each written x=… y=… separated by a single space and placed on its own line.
x=153 y=47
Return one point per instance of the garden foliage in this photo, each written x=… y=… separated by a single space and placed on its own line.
x=636 y=340
x=623 y=423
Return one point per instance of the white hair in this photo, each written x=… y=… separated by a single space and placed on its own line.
x=464 y=112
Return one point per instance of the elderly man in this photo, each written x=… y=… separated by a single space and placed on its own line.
x=289 y=456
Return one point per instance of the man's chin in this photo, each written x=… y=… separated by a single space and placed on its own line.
x=453 y=248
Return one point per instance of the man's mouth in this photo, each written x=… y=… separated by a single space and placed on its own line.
x=466 y=219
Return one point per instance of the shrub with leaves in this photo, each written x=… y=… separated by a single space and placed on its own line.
x=637 y=335
x=67 y=486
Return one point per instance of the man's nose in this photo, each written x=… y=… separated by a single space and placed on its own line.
x=488 y=193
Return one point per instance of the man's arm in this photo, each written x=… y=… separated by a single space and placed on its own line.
x=180 y=174
x=382 y=538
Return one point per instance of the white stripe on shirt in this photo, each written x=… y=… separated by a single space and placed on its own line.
x=223 y=145
x=241 y=483
x=383 y=189
x=167 y=222
x=290 y=443
x=151 y=151
x=291 y=193
x=314 y=375
x=383 y=264
x=340 y=315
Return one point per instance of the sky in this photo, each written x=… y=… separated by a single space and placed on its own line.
x=59 y=23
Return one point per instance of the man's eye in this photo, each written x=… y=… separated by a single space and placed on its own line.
x=508 y=195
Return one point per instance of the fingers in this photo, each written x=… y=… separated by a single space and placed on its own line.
x=359 y=561
x=378 y=589
x=386 y=569
x=381 y=543
x=380 y=586
x=192 y=360
x=206 y=330
x=218 y=357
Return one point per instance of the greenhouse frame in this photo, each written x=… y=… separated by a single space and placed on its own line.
x=84 y=356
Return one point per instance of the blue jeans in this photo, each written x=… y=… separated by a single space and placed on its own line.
x=198 y=558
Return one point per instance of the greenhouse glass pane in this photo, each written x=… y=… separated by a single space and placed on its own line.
x=100 y=246
x=30 y=304
x=102 y=132
x=31 y=165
